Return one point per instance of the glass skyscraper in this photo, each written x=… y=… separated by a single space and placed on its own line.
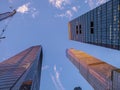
x=100 y=26
x=22 y=71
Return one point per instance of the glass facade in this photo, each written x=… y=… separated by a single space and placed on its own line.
x=22 y=71
x=100 y=26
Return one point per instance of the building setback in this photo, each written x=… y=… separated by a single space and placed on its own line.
x=99 y=74
x=22 y=71
x=100 y=26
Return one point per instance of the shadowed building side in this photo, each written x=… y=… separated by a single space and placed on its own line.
x=22 y=71
x=99 y=74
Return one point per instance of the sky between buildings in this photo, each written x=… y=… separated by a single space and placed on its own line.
x=44 y=22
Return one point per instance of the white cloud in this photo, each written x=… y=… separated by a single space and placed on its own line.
x=27 y=8
x=60 y=15
x=24 y=8
x=57 y=75
x=66 y=6
x=34 y=12
x=45 y=67
x=71 y=8
x=54 y=67
x=67 y=14
x=59 y=3
x=74 y=9
x=100 y=2
x=86 y=1
x=55 y=83
x=56 y=72
x=93 y=3
x=56 y=79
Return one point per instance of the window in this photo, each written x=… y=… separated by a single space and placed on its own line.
x=80 y=31
x=26 y=85
x=91 y=24
x=119 y=7
x=118 y=24
x=92 y=30
x=79 y=26
x=92 y=27
x=77 y=29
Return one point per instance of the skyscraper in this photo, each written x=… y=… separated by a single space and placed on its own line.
x=22 y=71
x=100 y=26
x=6 y=15
x=99 y=74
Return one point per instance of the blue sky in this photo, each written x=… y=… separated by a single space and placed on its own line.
x=45 y=23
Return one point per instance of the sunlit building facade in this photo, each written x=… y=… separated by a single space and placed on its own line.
x=100 y=75
x=22 y=71
x=100 y=26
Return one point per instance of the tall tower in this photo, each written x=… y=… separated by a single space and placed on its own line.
x=22 y=71
x=99 y=74
x=6 y=15
x=100 y=26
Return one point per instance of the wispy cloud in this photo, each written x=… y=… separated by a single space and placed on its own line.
x=27 y=8
x=54 y=82
x=74 y=8
x=91 y=3
x=100 y=2
x=59 y=3
x=45 y=67
x=86 y=1
x=11 y=1
x=94 y=3
x=56 y=79
x=34 y=12
x=67 y=14
x=67 y=8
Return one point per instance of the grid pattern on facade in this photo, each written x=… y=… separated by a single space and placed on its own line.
x=100 y=26
x=99 y=74
x=23 y=67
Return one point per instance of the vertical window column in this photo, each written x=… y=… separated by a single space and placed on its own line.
x=80 y=30
x=76 y=29
x=91 y=27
